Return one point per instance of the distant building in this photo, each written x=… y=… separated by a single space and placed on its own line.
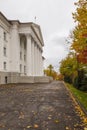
x=21 y=47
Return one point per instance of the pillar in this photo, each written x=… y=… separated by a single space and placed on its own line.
x=38 y=62
x=33 y=57
x=29 y=56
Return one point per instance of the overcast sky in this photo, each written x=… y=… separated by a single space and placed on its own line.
x=54 y=17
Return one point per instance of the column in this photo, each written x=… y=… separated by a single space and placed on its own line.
x=35 y=59
x=38 y=67
x=28 y=57
x=33 y=55
x=40 y=63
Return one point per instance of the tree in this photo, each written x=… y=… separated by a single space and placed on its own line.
x=50 y=67
x=60 y=77
x=50 y=72
x=74 y=66
x=68 y=67
x=79 y=36
x=79 y=42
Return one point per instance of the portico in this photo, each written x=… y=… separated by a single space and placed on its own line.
x=32 y=59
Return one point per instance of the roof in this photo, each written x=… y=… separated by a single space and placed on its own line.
x=33 y=25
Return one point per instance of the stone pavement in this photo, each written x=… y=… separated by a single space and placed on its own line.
x=38 y=106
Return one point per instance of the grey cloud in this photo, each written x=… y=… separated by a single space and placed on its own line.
x=54 y=17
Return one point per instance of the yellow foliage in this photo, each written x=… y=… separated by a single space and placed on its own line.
x=79 y=41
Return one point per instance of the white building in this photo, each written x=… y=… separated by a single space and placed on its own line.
x=21 y=47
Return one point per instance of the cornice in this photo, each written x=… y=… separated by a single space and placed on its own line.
x=4 y=19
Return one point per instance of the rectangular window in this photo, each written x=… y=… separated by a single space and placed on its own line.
x=24 y=69
x=4 y=65
x=20 y=55
x=4 y=51
x=4 y=35
x=20 y=68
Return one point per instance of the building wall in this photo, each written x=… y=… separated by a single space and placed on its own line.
x=4 y=47
x=20 y=51
x=14 y=48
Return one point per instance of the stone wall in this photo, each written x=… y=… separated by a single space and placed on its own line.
x=9 y=77
x=13 y=77
x=26 y=79
x=4 y=77
x=42 y=79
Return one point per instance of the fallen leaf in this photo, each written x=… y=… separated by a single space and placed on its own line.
x=49 y=118
x=21 y=115
x=56 y=121
x=67 y=128
x=36 y=126
x=76 y=125
x=85 y=128
x=29 y=126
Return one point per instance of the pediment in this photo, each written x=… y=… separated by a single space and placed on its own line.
x=38 y=32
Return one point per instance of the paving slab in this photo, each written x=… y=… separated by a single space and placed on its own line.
x=38 y=106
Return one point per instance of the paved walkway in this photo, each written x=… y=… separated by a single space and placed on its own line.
x=38 y=106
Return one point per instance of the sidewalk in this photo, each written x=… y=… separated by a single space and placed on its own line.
x=38 y=106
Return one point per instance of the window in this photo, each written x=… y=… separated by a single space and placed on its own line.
x=24 y=69
x=20 y=55
x=20 y=68
x=4 y=35
x=4 y=51
x=24 y=57
x=4 y=65
x=6 y=79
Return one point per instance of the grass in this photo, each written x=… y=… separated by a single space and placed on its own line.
x=80 y=95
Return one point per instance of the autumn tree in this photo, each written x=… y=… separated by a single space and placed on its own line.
x=50 y=67
x=79 y=47
x=50 y=72
x=79 y=35
x=68 y=67
x=79 y=42
x=60 y=77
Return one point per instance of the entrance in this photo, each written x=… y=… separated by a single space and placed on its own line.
x=5 y=79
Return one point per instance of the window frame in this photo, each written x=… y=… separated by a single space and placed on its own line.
x=4 y=65
x=5 y=51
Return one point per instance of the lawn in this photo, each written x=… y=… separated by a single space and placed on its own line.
x=80 y=95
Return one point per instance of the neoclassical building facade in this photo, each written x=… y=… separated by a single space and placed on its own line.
x=21 y=47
